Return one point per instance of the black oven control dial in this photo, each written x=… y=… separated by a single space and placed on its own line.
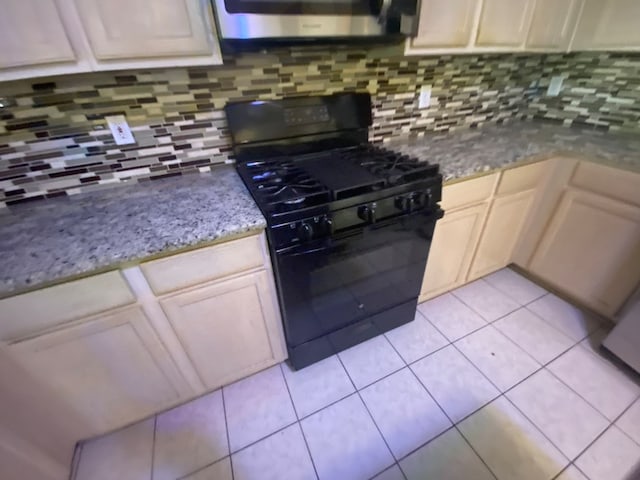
x=305 y=232
x=326 y=225
x=404 y=204
x=367 y=213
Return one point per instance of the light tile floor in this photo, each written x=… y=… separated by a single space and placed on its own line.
x=496 y=380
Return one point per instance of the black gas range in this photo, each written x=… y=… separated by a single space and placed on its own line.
x=350 y=224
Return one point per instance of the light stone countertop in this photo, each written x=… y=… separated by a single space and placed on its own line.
x=63 y=238
x=466 y=153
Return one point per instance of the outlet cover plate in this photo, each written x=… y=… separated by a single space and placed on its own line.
x=424 y=101
x=120 y=130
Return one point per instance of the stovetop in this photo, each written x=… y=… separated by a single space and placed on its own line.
x=288 y=183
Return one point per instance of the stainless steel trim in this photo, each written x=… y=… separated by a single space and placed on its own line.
x=245 y=26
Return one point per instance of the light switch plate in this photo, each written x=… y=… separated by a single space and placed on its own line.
x=120 y=130
x=555 y=85
x=425 y=96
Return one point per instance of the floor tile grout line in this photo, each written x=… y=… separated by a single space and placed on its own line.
x=295 y=411
x=204 y=467
x=452 y=292
x=357 y=392
x=153 y=446
x=226 y=427
x=453 y=424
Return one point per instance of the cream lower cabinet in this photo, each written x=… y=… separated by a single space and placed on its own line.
x=591 y=250
x=454 y=243
x=229 y=329
x=110 y=368
x=457 y=234
x=608 y=25
x=501 y=233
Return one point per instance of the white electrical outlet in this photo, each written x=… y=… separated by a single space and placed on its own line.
x=555 y=85
x=425 y=96
x=120 y=130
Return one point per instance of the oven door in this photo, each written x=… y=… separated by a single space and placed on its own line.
x=328 y=285
x=290 y=19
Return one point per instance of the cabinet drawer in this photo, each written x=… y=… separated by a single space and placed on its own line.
x=610 y=182
x=523 y=178
x=468 y=192
x=32 y=312
x=199 y=266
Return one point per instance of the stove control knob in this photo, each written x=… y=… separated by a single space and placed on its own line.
x=368 y=213
x=327 y=225
x=305 y=232
x=404 y=204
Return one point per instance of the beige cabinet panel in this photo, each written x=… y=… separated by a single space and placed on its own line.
x=229 y=329
x=32 y=33
x=608 y=24
x=446 y=23
x=591 y=250
x=34 y=312
x=610 y=182
x=504 y=23
x=504 y=225
x=146 y=28
x=467 y=193
x=204 y=264
x=553 y=24
x=452 y=249
x=108 y=368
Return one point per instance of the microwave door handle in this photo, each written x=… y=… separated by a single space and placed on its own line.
x=383 y=11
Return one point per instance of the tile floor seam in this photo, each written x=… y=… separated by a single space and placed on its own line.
x=578 y=393
x=556 y=328
x=451 y=342
x=153 y=445
x=204 y=467
x=357 y=392
x=295 y=410
x=226 y=428
x=569 y=460
x=453 y=424
x=485 y=376
x=424 y=356
x=489 y=322
x=401 y=471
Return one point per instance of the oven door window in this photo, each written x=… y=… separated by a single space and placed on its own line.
x=327 y=287
x=305 y=7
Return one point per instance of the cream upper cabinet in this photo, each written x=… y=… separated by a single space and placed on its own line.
x=553 y=24
x=228 y=329
x=446 y=23
x=31 y=33
x=109 y=368
x=120 y=29
x=504 y=23
x=609 y=24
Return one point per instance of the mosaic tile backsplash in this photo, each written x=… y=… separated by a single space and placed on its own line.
x=55 y=141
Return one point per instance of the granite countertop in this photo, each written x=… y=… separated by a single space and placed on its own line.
x=469 y=152
x=57 y=239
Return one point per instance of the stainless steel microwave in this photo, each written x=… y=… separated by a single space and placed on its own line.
x=299 y=19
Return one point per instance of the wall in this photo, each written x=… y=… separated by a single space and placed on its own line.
x=54 y=141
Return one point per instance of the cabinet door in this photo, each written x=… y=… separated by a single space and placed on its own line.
x=229 y=329
x=454 y=242
x=108 y=367
x=504 y=23
x=146 y=28
x=591 y=250
x=608 y=24
x=553 y=24
x=446 y=23
x=504 y=225
x=32 y=33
